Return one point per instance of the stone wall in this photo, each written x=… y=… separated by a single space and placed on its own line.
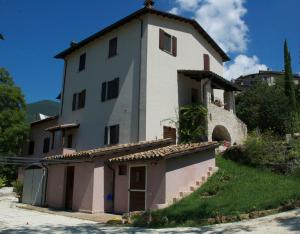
x=224 y=120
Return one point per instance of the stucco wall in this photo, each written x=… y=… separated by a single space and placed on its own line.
x=56 y=186
x=155 y=186
x=38 y=134
x=218 y=116
x=183 y=172
x=162 y=82
x=99 y=68
x=83 y=187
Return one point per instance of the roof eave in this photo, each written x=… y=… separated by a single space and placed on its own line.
x=138 y=13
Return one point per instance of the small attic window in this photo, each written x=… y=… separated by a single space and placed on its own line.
x=122 y=170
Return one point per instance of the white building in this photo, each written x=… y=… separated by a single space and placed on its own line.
x=121 y=84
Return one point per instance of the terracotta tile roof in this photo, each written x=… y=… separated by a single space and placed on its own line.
x=137 y=14
x=44 y=120
x=116 y=150
x=63 y=126
x=166 y=152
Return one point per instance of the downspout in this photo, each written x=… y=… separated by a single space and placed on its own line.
x=63 y=88
x=46 y=185
x=113 y=189
x=140 y=78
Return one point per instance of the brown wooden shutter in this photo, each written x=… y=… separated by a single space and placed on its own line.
x=83 y=94
x=103 y=94
x=161 y=39
x=74 y=102
x=169 y=133
x=105 y=135
x=206 y=62
x=174 y=46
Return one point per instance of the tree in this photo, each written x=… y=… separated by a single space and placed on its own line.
x=265 y=108
x=13 y=126
x=289 y=85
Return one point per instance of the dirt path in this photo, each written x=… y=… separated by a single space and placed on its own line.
x=16 y=220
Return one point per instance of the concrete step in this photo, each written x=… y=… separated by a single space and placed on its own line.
x=184 y=194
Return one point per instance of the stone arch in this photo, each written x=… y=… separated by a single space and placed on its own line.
x=220 y=133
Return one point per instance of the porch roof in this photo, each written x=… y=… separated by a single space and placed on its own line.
x=166 y=152
x=62 y=126
x=115 y=150
x=217 y=80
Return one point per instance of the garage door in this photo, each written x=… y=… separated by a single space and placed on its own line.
x=33 y=186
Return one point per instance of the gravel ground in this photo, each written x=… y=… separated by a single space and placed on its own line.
x=16 y=220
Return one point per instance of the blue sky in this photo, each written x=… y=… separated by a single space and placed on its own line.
x=36 y=30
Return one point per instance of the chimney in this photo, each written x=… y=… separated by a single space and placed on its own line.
x=73 y=43
x=149 y=4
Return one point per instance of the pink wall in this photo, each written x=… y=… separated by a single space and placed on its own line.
x=155 y=186
x=98 y=188
x=83 y=187
x=182 y=172
x=56 y=186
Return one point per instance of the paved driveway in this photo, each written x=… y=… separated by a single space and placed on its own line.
x=16 y=220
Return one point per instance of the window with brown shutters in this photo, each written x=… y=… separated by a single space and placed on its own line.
x=31 y=148
x=206 y=61
x=70 y=141
x=46 y=146
x=74 y=101
x=167 y=43
x=113 y=47
x=78 y=100
x=111 y=135
x=169 y=133
x=194 y=95
x=82 y=59
x=110 y=89
x=81 y=99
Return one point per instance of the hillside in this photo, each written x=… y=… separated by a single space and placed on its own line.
x=233 y=191
x=46 y=107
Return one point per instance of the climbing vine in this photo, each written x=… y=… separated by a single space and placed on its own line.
x=192 y=123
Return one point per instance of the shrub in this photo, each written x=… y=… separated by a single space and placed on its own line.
x=18 y=189
x=3 y=181
x=192 y=123
x=265 y=150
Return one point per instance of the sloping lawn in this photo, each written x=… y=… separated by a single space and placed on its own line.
x=235 y=189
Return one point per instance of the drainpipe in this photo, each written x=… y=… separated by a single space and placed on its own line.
x=140 y=78
x=46 y=184
x=113 y=189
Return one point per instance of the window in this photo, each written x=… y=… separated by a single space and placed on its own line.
x=206 y=61
x=110 y=90
x=78 y=100
x=70 y=141
x=81 y=99
x=122 y=170
x=194 y=96
x=111 y=135
x=113 y=46
x=82 y=62
x=46 y=145
x=31 y=148
x=167 y=43
x=74 y=101
x=169 y=133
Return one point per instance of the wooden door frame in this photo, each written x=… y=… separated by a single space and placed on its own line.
x=66 y=184
x=136 y=190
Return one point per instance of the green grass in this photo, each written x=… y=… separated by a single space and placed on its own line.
x=235 y=189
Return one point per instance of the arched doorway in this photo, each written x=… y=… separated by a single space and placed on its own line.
x=220 y=133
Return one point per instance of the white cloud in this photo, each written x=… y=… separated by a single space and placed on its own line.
x=188 y=5
x=243 y=65
x=223 y=20
x=174 y=10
